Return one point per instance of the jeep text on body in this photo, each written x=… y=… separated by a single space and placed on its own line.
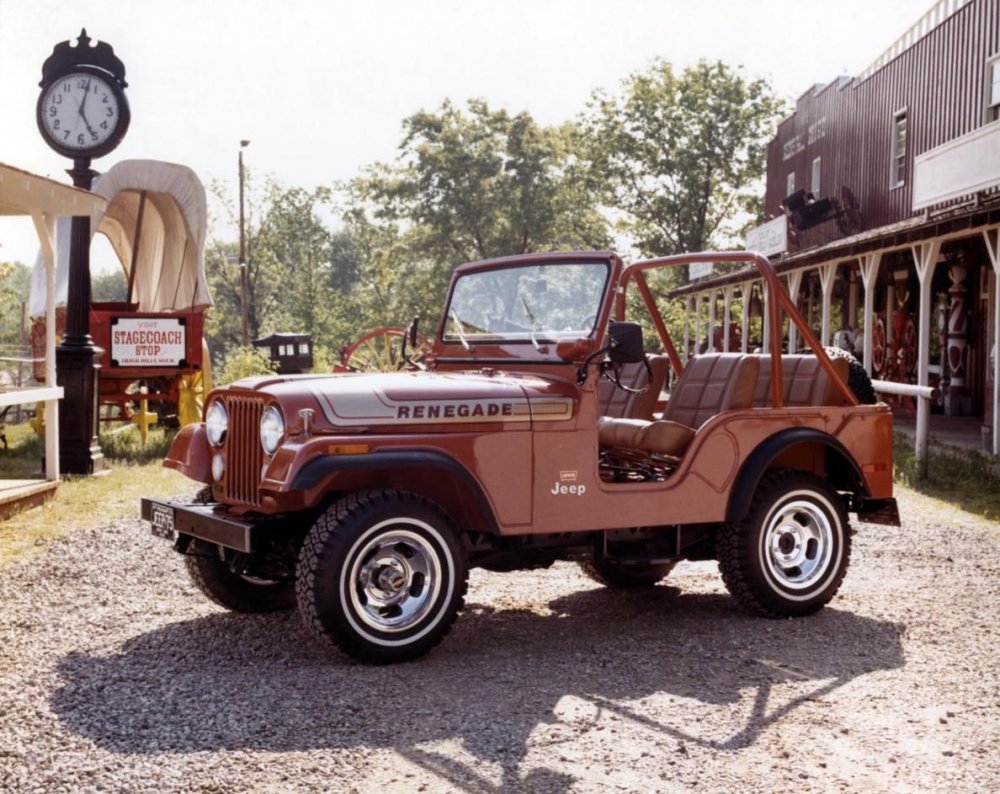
x=539 y=429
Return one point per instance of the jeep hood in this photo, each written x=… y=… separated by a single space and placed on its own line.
x=420 y=398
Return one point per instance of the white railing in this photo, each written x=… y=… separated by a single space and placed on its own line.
x=938 y=14
x=924 y=395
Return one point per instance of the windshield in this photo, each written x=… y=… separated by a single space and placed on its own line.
x=531 y=303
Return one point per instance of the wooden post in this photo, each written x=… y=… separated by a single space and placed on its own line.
x=827 y=277
x=746 y=290
x=794 y=287
x=925 y=258
x=869 y=266
x=992 y=238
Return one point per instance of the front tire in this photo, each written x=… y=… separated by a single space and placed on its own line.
x=381 y=576
x=212 y=575
x=789 y=555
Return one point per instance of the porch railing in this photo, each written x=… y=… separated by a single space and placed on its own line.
x=924 y=395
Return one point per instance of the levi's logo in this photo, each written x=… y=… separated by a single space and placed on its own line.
x=567 y=485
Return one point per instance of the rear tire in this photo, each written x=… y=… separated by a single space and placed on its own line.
x=381 y=576
x=214 y=578
x=790 y=553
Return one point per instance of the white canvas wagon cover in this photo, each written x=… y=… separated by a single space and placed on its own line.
x=170 y=260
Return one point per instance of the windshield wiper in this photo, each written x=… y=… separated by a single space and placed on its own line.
x=534 y=323
x=461 y=331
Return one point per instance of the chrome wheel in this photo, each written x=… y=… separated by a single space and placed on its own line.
x=381 y=575
x=797 y=544
x=789 y=554
x=394 y=578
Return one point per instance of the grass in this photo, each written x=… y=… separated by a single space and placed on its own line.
x=965 y=479
x=134 y=470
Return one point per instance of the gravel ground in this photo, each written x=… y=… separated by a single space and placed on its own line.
x=117 y=675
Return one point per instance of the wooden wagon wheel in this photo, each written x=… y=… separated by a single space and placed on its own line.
x=909 y=349
x=381 y=351
x=878 y=347
x=192 y=388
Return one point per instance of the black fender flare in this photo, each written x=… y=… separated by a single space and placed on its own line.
x=318 y=469
x=759 y=460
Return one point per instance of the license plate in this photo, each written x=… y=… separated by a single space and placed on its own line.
x=161 y=519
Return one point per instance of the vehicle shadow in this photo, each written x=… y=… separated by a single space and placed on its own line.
x=262 y=683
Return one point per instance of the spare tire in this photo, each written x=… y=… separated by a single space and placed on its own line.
x=857 y=377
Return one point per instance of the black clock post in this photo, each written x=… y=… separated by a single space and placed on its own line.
x=72 y=77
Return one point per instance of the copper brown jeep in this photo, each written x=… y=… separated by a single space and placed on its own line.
x=538 y=429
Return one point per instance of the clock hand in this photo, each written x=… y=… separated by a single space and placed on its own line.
x=84 y=115
x=86 y=93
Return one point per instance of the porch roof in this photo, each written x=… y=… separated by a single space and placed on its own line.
x=885 y=238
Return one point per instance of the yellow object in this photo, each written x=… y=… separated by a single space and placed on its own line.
x=143 y=418
x=191 y=390
x=38 y=423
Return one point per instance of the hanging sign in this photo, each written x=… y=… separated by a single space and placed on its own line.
x=769 y=238
x=147 y=341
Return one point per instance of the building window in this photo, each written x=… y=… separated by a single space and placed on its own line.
x=993 y=91
x=790 y=184
x=899 y=134
x=814 y=184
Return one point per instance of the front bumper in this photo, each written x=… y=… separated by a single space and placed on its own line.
x=205 y=522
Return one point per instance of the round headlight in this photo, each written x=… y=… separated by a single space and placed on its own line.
x=272 y=429
x=216 y=424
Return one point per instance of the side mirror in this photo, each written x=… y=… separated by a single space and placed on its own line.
x=625 y=343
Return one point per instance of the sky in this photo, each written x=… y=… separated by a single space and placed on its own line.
x=320 y=87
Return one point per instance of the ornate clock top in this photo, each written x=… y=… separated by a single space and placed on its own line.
x=65 y=57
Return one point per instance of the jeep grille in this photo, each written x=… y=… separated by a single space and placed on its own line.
x=244 y=455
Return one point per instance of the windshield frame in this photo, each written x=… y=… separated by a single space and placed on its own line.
x=525 y=342
x=512 y=320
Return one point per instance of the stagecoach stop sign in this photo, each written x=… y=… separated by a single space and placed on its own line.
x=82 y=113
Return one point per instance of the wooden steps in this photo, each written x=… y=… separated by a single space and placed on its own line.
x=17 y=495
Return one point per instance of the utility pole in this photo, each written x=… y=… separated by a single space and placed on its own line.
x=243 y=253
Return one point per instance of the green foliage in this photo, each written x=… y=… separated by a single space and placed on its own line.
x=963 y=477
x=22 y=459
x=244 y=362
x=110 y=286
x=682 y=154
x=123 y=444
x=120 y=444
x=468 y=184
x=15 y=285
x=483 y=183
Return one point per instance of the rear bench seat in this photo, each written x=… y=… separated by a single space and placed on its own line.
x=714 y=383
x=805 y=382
x=709 y=385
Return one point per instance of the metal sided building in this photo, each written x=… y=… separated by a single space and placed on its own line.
x=883 y=207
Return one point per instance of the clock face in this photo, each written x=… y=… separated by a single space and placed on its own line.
x=79 y=112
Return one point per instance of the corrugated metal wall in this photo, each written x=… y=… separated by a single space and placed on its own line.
x=940 y=82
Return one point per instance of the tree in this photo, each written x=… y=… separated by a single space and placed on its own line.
x=291 y=267
x=483 y=183
x=15 y=287
x=467 y=185
x=682 y=155
x=110 y=285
